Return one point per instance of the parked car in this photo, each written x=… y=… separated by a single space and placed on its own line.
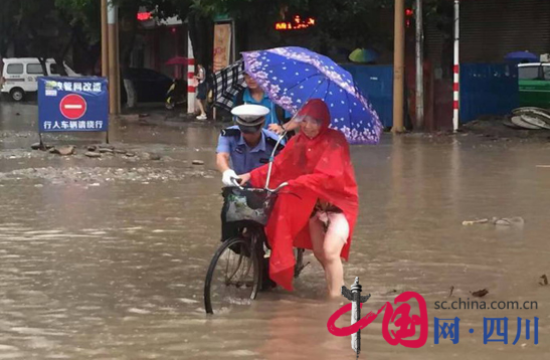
x=150 y=85
x=19 y=76
x=534 y=84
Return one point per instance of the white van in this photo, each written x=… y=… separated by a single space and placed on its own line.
x=19 y=75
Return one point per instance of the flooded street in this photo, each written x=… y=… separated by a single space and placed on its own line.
x=106 y=258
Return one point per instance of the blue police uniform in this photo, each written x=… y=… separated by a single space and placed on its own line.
x=244 y=158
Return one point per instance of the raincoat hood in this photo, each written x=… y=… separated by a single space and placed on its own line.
x=317 y=109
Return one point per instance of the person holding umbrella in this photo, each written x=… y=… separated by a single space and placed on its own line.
x=233 y=86
x=316 y=165
x=255 y=95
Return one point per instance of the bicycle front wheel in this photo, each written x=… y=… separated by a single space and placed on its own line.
x=233 y=277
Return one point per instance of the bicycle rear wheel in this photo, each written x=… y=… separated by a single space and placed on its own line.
x=233 y=277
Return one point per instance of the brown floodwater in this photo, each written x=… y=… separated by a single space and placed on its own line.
x=92 y=268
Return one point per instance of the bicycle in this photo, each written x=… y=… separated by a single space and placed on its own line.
x=240 y=283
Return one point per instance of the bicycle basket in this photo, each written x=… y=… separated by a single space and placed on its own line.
x=243 y=205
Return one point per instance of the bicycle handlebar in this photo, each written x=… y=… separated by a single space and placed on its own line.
x=237 y=184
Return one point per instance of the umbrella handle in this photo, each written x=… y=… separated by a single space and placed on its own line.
x=271 y=158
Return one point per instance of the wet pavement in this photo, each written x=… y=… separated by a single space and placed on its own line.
x=105 y=258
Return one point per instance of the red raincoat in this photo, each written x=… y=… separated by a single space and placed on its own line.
x=318 y=168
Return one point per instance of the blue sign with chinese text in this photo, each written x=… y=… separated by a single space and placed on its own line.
x=73 y=104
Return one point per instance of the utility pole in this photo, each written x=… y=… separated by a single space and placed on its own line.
x=456 y=68
x=399 y=67
x=113 y=59
x=191 y=96
x=104 y=41
x=419 y=66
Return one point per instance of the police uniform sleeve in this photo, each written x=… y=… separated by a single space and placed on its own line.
x=227 y=139
x=224 y=144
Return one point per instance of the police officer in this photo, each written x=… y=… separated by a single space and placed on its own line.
x=246 y=146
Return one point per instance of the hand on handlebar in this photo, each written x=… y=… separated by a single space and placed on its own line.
x=244 y=178
x=228 y=175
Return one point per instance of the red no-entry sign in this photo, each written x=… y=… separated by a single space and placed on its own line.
x=73 y=106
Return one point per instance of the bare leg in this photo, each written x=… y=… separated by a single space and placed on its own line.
x=335 y=239
x=327 y=248
x=317 y=238
x=201 y=107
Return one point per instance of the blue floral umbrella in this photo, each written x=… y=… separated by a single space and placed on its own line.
x=293 y=75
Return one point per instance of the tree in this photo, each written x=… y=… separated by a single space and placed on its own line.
x=45 y=30
x=37 y=28
x=85 y=19
x=350 y=23
x=440 y=14
x=8 y=25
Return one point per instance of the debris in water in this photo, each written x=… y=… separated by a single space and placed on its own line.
x=148 y=156
x=63 y=150
x=513 y=221
x=452 y=289
x=92 y=154
x=92 y=148
x=544 y=280
x=198 y=162
x=105 y=150
x=473 y=222
x=188 y=301
x=480 y=293
x=139 y=311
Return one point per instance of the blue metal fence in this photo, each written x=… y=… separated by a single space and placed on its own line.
x=487 y=89
x=376 y=83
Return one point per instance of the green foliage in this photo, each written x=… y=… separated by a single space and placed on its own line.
x=84 y=14
x=8 y=23
x=46 y=26
x=354 y=22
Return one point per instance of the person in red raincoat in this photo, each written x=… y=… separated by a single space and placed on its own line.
x=317 y=166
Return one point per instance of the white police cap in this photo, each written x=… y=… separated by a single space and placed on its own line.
x=250 y=115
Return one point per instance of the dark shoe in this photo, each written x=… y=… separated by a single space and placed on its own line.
x=268 y=284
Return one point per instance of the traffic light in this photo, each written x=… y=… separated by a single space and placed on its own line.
x=409 y=14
